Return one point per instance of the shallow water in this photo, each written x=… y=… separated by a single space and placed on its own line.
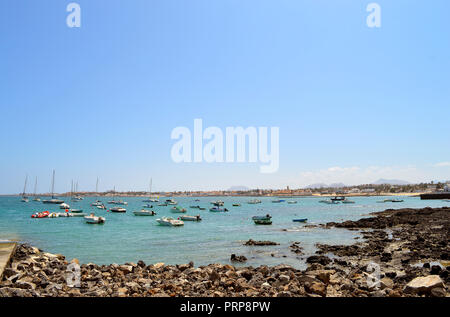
x=128 y=238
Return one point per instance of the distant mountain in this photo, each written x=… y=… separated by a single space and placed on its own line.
x=337 y=185
x=317 y=185
x=238 y=188
x=382 y=181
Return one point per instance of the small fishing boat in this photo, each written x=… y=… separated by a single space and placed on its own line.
x=36 y=199
x=392 y=201
x=278 y=201
x=218 y=209
x=147 y=206
x=177 y=209
x=162 y=204
x=167 y=221
x=92 y=219
x=118 y=209
x=194 y=207
x=292 y=202
x=236 y=205
x=76 y=211
x=347 y=201
x=191 y=218
x=144 y=212
x=43 y=214
x=262 y=220
x=64 y=206
x=254 y=201
x=300 y=220
x=101 y=207
x=197 y=200
x=171 y=202
x=217 y=203
x=201 y=208
x=97 y=203
x=330 y=202
x=338 y=198
x=69 y=214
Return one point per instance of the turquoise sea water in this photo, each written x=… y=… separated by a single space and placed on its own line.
x=128 y=238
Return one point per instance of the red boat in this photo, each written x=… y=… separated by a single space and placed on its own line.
x=43 y=214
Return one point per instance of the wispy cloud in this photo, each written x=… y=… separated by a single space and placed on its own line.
x=362 y=175
x=442 y=164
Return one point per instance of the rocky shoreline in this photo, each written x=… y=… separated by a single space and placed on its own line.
x=403 y=253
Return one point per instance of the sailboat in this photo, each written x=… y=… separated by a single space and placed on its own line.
x=24 y=197
x=150 y=198
x=35 y=187
x=77 y=197
x=116 y=202
x=97 y=203
x=54 y=200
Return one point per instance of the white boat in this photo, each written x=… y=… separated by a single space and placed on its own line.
x=24 y=197
x=97 y=203
x=191 y=218
x=151 y=199
x=292 y=202
x=167 y=221
x=177 y=209
x=217 y=203
x=54 y=200
x=64 y=206
x=144 y=212
x=102 y=207
x=254 y=201
x=171 y=202
x=91 y=219
x=118 y=209
x=218 y=209
x=347 y=201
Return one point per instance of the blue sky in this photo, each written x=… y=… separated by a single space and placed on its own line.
x=353 y=104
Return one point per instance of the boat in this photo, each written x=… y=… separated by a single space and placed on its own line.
x=34 y=193
x=97 y=203
x=197 y=200
x=43 y=214
x=194 y=207
x=300 y=220
x=162 y=204
x=64 y=206
x=236 y=205
x=53 y=200
x=217 y=203
x=144 y=212
x=201 y=208
x=292 y=202
x=102 y=207
x=338 y=198
x=218 y=209
x=177 y=209
x=262 y=220
x=191 y=218
x=76 y=211
x=278 y=201
x=118 y=209
x=254 y=201
x=24 y=197
x=167 y=221
x=171 y=202
x=151 y=199
x=147 y=206
x=391 y=201
x=330 y=202
x=116 y=202
x=347 y=201
x=92 y=219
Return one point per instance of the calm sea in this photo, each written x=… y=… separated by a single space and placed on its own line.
x=128 y=238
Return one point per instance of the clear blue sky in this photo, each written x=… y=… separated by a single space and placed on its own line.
x=353 y=104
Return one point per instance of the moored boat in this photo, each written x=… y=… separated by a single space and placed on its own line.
x=118 y=209
x=236 y=205
x=262 y=220
x=278 y=201
x=167 y=221
x=144 y=212
x=92 y=219
x=191 y=218
x=300 y=220
x=177 y=209
x=76 y=211
x=43 y=214
x=292 y=202
x=347 y=201
x=64 y=206
x=218 y=209
x=254 y=201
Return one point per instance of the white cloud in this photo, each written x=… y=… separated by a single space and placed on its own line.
x=356 y=175
x=442 y=164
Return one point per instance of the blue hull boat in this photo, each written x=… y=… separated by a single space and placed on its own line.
x=300 y=220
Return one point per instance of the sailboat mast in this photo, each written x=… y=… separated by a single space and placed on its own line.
x=35 y=187
x=96 y=186
x=53 y=184
x=25 y=186
x=150 y=194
